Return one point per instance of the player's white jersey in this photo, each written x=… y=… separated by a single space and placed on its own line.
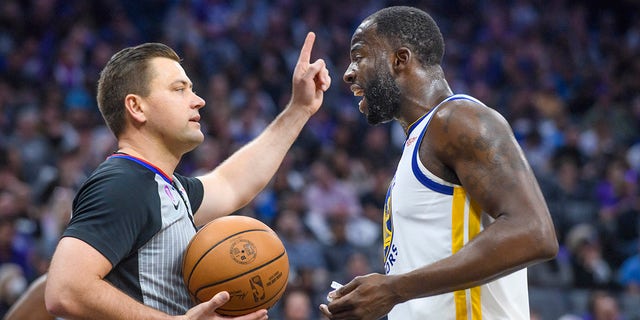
x=427 y=219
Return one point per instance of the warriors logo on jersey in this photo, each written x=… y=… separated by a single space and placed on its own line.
x=390 y=252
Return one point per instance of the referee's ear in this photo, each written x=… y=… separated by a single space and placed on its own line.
x=133 y=105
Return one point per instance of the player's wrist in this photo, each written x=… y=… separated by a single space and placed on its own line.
x=398 y=292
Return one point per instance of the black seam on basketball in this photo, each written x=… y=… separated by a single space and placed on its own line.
x=212 y=247
x=262 y=304
x=241 y=274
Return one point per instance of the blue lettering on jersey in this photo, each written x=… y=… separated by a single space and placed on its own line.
x=391 y=259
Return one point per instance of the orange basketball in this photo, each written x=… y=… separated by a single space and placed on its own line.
x=240 y=255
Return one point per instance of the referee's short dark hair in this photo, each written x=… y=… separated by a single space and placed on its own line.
x=127 y=72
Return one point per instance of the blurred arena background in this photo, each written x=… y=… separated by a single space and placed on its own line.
x=566 y=74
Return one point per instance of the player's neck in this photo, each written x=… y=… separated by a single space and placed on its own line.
x=414 y=107
x=425 y=90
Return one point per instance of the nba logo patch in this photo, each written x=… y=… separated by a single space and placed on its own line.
x=174 y=201
x=257 y=288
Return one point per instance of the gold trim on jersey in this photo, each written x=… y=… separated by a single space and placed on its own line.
x=465 y=219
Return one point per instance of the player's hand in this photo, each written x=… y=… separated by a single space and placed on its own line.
x=367 y=297
x=310 y=80
x=207 y=310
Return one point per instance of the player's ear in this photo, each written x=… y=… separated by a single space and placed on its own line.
x=133 y=107
x=401 y=58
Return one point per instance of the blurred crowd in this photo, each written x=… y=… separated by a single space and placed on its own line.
x=565 y=74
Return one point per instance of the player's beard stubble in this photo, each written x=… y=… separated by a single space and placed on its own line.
x=382 y=96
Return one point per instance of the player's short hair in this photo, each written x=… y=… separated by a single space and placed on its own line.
x=413 y=28
x=127 y=72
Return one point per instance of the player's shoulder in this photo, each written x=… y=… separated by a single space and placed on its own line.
x=461 y=105
x=463 y=112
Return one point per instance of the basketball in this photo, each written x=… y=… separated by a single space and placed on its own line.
x=240 y=255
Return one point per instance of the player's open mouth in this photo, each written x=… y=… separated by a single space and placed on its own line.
x=359 y=92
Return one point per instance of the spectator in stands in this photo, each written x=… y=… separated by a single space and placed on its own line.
x=603 y=306
x=590 y=269
x=629 y=273
x=296 y=305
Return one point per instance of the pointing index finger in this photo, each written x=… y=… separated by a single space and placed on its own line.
x=305 y=53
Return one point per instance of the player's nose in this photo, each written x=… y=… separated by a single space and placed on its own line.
x=349 y=75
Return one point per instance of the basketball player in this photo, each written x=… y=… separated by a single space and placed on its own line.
x=464 y=215
x=120 y=256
